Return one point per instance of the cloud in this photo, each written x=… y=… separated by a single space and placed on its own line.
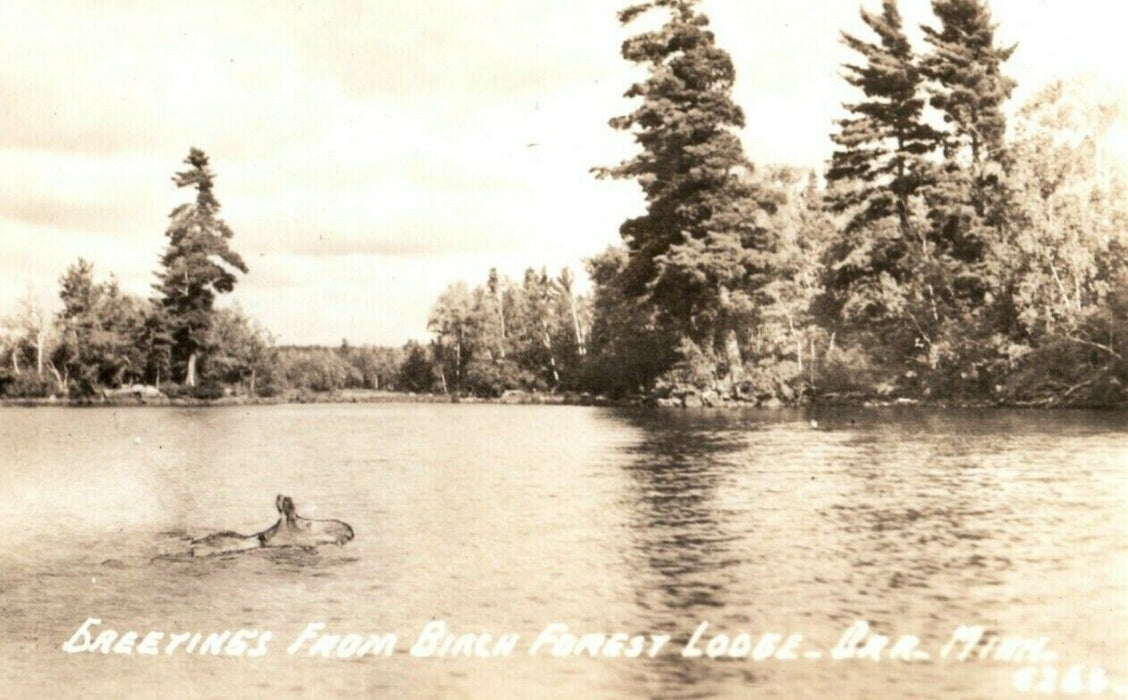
x=113 y=77
x=90 y=193
x=450 y=54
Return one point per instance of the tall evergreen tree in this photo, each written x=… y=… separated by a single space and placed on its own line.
x=875 y=177
x=968 y=199
x=882 y=144
x=197 y=265
x=698 y=250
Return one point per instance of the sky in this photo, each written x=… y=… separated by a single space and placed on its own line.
x=370 y=153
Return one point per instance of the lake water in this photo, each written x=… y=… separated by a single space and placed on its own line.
x=505 y=519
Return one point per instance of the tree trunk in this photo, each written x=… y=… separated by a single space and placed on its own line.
x=501 y=318
x=798 y=344
x=252 y=382
x=581 y=348
x=1065 y=301
x=60 y=383
x=39 y=338
x=551 y=357
x=732 y=356
x=458 y=366
x=814 y=361
x=190 y=380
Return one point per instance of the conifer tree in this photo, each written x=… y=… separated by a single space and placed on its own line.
x=875 y=179
x=698 y=250
x=197 y=265
x=968 y=199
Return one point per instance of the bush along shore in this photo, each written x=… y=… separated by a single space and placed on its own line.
x=685 y=397
x=945 y=256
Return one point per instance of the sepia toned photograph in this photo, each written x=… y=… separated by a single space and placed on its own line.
x=545 y=349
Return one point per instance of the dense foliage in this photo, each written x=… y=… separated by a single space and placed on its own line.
x=504 y=335
x=947 y=258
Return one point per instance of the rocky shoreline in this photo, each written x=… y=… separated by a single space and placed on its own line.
x=682 y=398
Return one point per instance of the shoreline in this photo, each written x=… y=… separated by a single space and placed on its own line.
x=521 y=398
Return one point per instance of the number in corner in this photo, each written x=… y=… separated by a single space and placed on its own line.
x=1075 y=681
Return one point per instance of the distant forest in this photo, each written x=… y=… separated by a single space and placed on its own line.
x=946 y=256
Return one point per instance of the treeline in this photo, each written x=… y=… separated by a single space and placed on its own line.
x=505 y=335
x=176 y=341
x=106 y=339
x=115 y=343
x=947 y=257
x=969 y=260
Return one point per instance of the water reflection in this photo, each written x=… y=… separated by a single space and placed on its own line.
x=681 y=537
x=688 y=539
x=912 y=520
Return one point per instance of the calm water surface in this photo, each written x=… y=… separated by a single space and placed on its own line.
x=506 y=519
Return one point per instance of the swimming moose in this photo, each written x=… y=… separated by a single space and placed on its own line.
x=291 y=530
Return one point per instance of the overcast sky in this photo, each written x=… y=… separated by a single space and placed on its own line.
x=370 y=153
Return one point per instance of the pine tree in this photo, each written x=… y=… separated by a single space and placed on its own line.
x=197 y=265
x=698 y=250
x=875 y=179
x=968 y=199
